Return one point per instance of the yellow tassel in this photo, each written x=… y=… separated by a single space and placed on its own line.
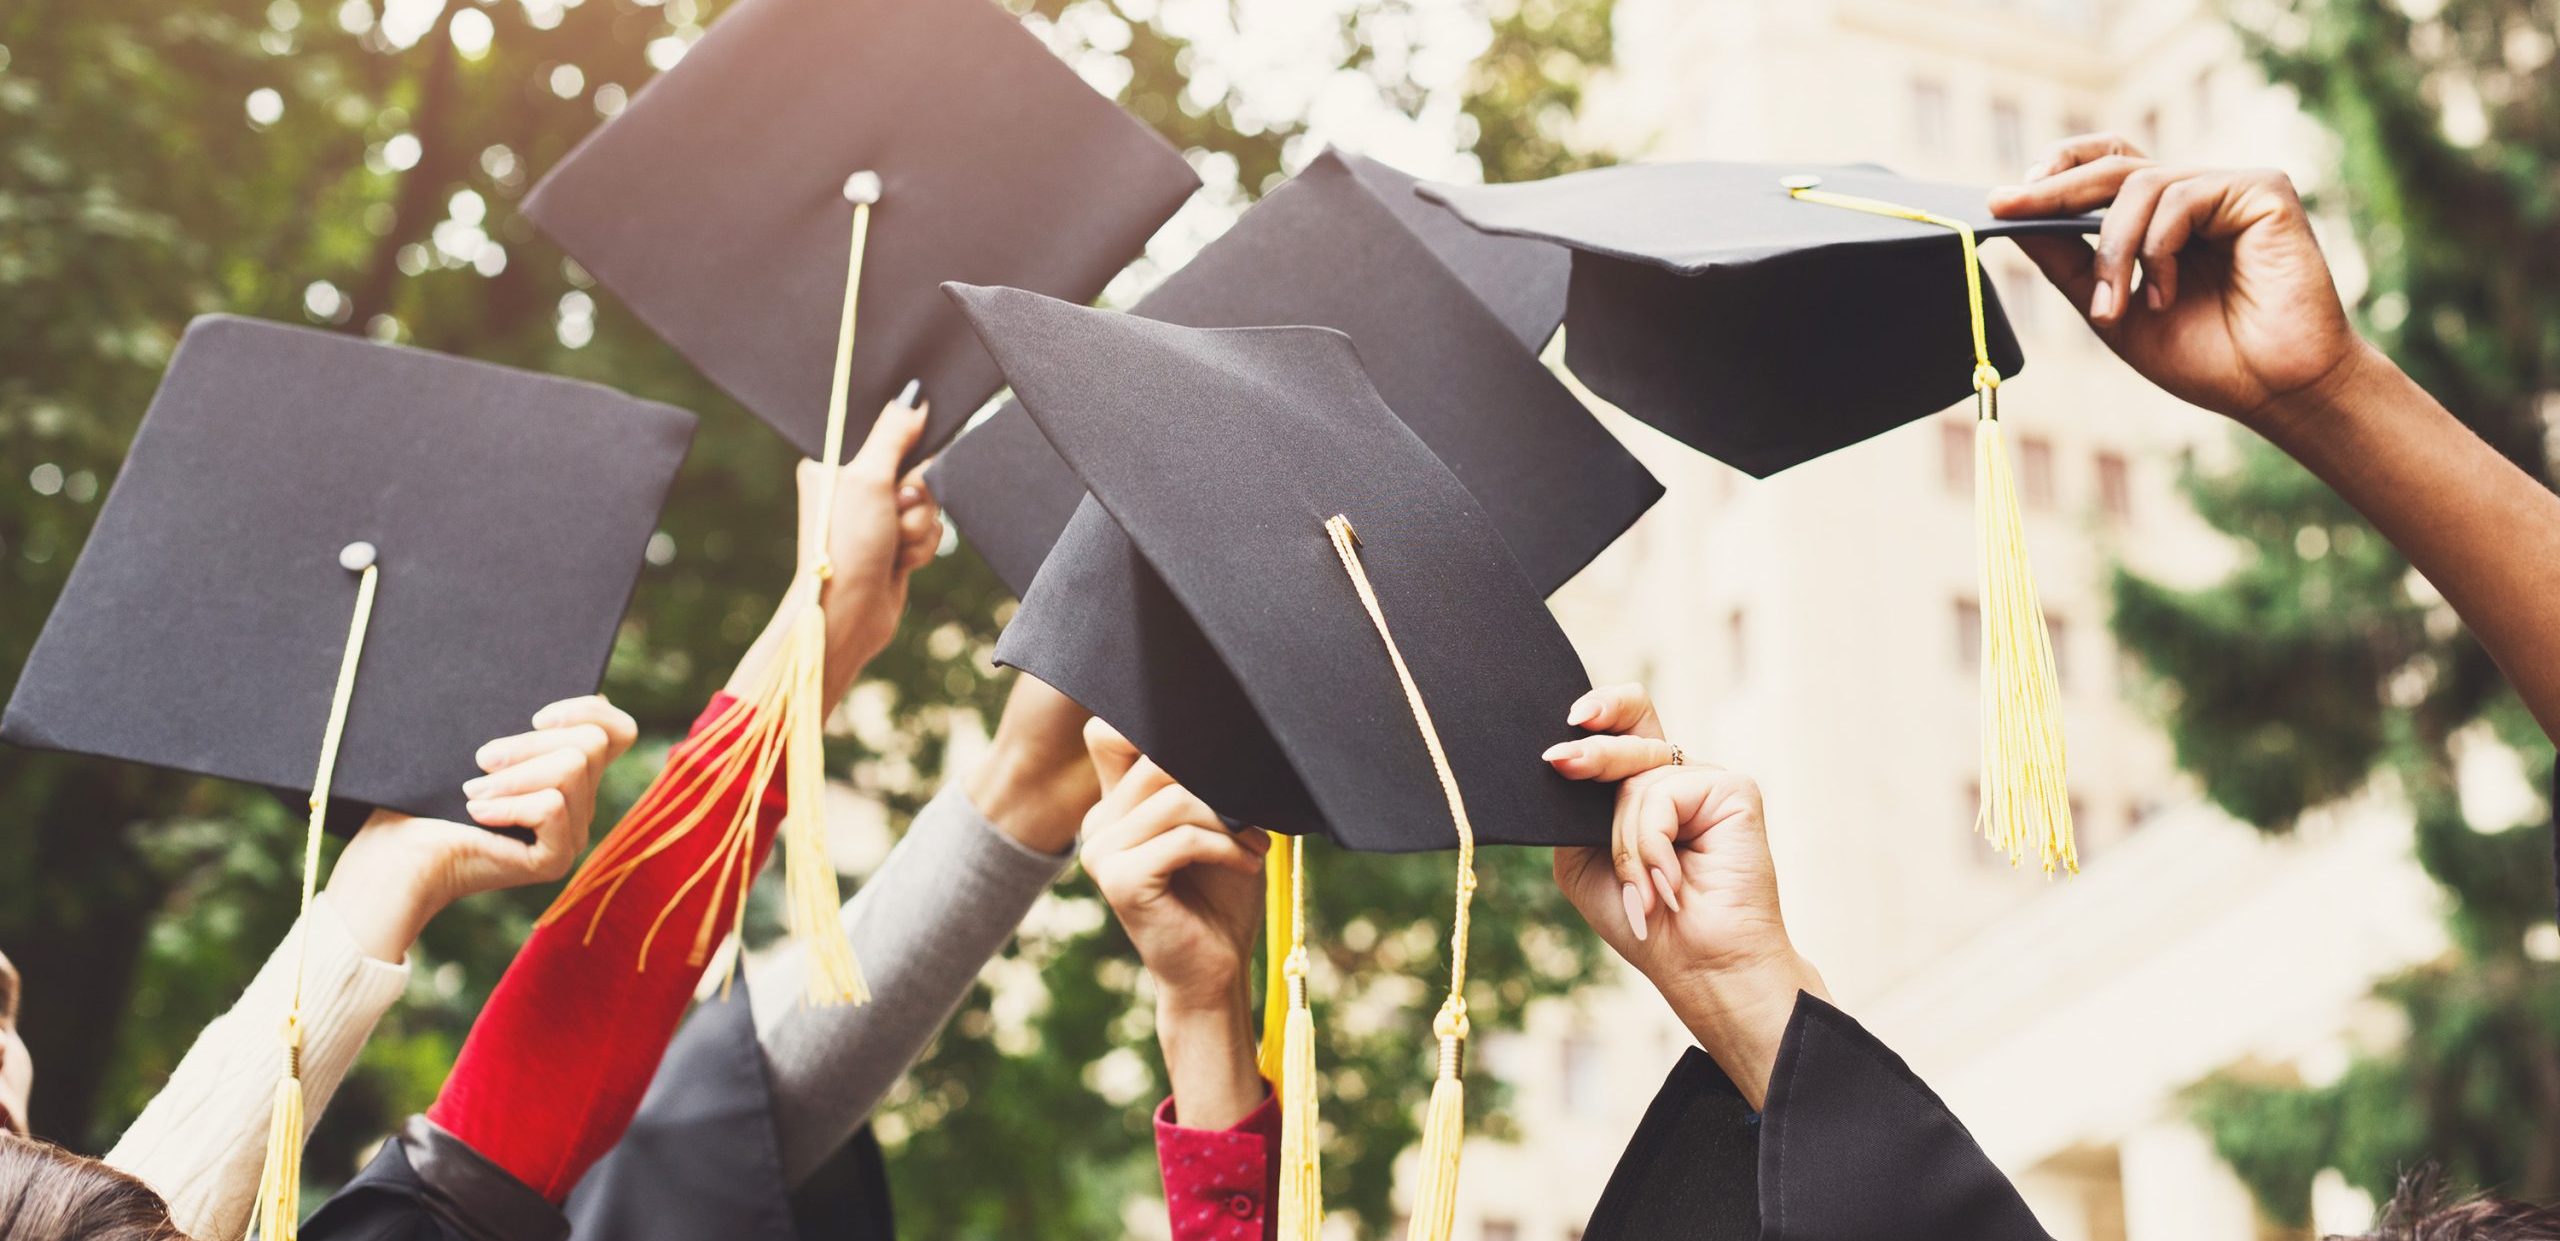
x=1278 y=937
x=277 y=1213
x=1444 y=1132
x=2026 y=800
x=779 y=724
x=1301 y=1213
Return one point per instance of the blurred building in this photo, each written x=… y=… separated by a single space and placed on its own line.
x=1818 y=630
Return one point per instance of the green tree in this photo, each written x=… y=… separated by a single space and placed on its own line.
x=355 y=164
x=2319 y=667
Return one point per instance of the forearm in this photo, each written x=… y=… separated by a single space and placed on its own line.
x=1209 y=1057
x=945 y=902
x=557 y=1061
x=2481 y=530
x=1037 y=781
x=202 y=1140
x=1739 y=1016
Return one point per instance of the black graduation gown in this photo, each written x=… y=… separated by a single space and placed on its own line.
x=1851 y=1147
x=700 y=1160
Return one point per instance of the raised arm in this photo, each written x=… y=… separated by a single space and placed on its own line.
x=2236 y=312
x=202 y=1140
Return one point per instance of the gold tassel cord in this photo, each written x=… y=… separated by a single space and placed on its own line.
x=2026 y=801
x=1301 y=1207
x=1444 y=1125
x=777 y=727
x=276 y=1213
x=1279 y=935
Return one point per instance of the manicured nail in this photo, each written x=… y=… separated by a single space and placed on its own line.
x=2102 y=304
x=1582 y=710
x=907 y=395
x=476 y=788
x=1635 y=909
x=1559 y=751
x=477 y=809
x=1670 y=895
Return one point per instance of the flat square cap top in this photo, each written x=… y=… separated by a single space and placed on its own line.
x=715 y=205
x=1761 y=329
x=1332 y=249
x=1218 y=456
x=1690 y=217
x=202 y=627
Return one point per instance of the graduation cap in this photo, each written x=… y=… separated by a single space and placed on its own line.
x=337 y=566
x=1447 y=320
x=733 y=206
x=1767 y=314
x=716 y=205
x=202 y=628
x=1331 y=636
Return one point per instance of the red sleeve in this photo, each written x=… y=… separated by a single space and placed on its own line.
x=556 y=1063
x=1219 y=1184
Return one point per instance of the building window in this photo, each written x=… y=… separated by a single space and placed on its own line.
x=1584 y=1084
x=2035 y=471
x=2075 y=124
x=1955 y=456
x=2059 y=630
x=2151 y=132
x=2115 y=487
x=2204 y=98
x=1929 y=115
x=1501 y=1230
x=2008 y=133
x=1737 y=645
x=1968 y=635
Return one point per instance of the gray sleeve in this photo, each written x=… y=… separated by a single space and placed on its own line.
x=949 y=895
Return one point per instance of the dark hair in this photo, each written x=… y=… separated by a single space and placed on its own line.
x=2425 y=1209
x=49 y=1194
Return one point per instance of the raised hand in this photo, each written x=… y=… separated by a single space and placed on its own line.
x=401 y=870
x=2236 y=311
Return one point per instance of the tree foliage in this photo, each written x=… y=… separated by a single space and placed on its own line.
x=356 y=164
x=2320 y=667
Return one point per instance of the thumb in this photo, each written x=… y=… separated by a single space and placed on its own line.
x=893 y=435
x=1113 y=755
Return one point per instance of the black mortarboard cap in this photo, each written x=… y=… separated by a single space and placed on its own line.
x=1758 y=328
x=202 y=627
x=716 y=207
x=1348 y=245
x=1249 y=668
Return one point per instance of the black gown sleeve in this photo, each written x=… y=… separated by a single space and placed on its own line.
x=1852 y=1146
x=700 y=1160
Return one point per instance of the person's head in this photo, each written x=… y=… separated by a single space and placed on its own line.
x=2425 y=1209
x=17 y=1068
x=49 y=1194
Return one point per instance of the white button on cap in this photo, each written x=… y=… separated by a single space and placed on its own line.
x=356 y=557
x=862 y=187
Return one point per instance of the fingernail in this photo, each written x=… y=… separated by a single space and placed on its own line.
x=2151 y=294
x=1558 y=751
x=1635 y=909
x=1582 y=711
x=2102 y=304
x=907 y=395
x=2035 y=172
x=477 y=809
x=910 y=494
x=1670 y=895
x=480 y=757
x=475 y=788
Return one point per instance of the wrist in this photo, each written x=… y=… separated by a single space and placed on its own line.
x=383 y=906
x=1034 y=792
x=1739 y=1012
x=2319 y=413
x=1209 y=1047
